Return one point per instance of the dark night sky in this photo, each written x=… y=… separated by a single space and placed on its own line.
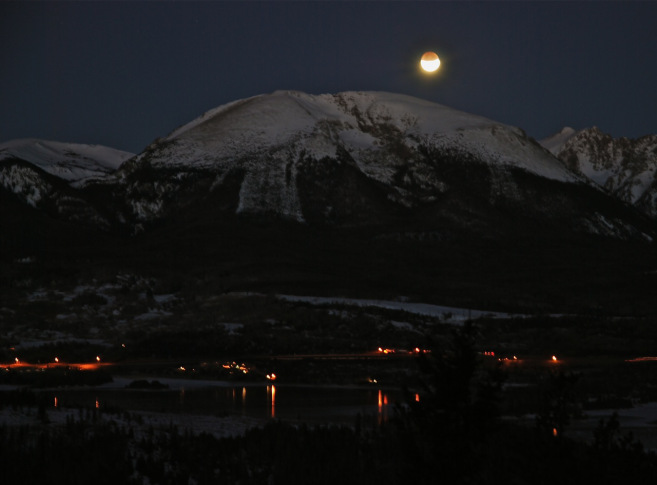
x=123 y=73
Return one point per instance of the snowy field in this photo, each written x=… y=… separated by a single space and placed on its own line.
x=139 y=421
x=447 y=314
x=640 y=420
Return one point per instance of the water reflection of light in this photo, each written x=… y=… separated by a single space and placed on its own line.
x=383 y=407
x=56 y=401
x=273 y=401
x=97 y=403
x=243 y=395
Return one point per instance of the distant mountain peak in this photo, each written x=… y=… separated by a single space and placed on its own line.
x=555 y=142
x=627 y=168
x=73 y=162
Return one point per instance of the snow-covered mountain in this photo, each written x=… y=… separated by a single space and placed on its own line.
x=351 y=159
x=274 y=141
x=364 y=124
x=360 y=158
x=627 y=168
x=72 y=162
x=556 y=142
x=48 y=175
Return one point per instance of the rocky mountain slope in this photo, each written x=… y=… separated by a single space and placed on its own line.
x=49 y=176
x=624 y=167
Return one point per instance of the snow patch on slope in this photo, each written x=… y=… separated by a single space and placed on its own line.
x=25 y=183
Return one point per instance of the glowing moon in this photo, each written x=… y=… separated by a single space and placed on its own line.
x=430 y=61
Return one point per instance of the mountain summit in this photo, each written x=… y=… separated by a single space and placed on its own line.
x=364 y=158
x=364 y=124
x=276 y=140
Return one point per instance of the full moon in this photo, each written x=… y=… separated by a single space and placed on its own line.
x=430 y=61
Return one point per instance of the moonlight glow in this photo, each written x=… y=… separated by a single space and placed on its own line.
x=430 y=61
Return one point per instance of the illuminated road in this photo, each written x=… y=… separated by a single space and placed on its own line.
x=58 y=365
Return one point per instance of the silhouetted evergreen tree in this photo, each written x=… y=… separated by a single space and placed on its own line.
x=558 y=402
x=445 y=432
